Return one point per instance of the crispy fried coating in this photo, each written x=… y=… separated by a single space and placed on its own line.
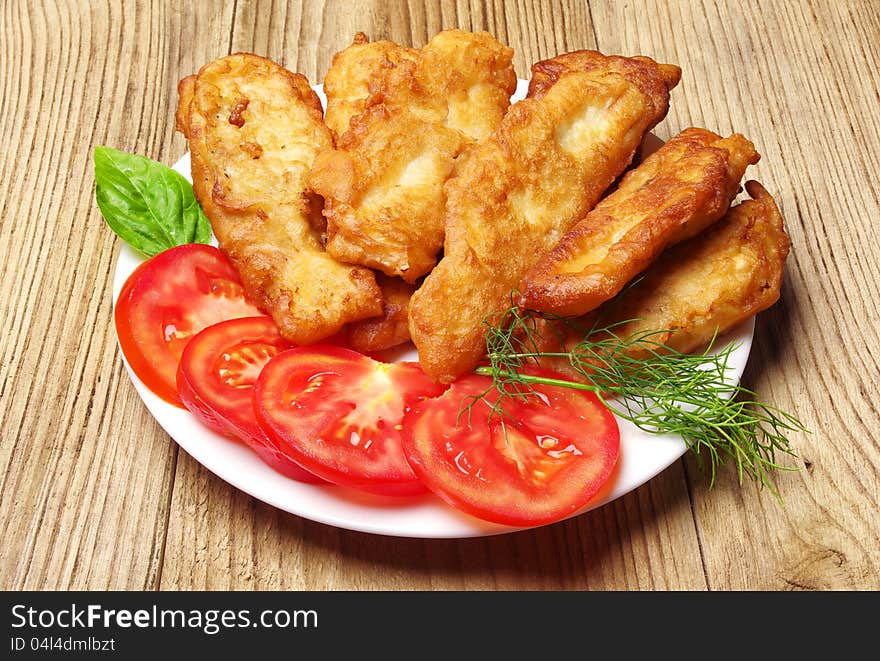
x=472 y=73
x=356 y=75
x=698 y=288
x=389 y=330
x=674 y=194
x=383 y=184
x=383 y=191
x=254 y=129
x=543 y=169
x=639 y=70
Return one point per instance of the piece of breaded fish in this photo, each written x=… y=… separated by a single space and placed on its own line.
x=675 y=193
x=696 y=289
x=357 y=75
x=639 y=70
x=383 y=182
x=254 y=129
x=389 y=330
x=521 y=189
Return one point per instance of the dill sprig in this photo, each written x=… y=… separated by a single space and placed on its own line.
x=658 y=389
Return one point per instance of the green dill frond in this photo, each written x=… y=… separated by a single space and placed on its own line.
x=642 y=380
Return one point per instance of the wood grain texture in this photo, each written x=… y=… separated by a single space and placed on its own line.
x=94 y=495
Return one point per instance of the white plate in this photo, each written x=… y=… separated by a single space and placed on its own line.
x=642 y=455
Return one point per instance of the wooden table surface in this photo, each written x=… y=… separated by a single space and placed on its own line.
x=96 y=495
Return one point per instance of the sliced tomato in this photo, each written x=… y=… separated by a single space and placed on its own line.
x=166 y=301
x=216 y=377
x=338 y=413
x=541 y=462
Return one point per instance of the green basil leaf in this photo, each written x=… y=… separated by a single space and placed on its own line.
x=149 y=206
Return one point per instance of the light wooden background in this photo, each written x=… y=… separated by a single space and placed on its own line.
x=95 y=495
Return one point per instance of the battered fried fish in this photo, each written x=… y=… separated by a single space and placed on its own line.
x=383 y=184
x=389 y=330
x=545 y=167
x=698 y=288
x=254 y=129
x=674 y=194
x=472 y=73
x=357 y=75
x=639 y=70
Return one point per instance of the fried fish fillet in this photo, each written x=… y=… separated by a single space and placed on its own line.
x=389 y=330
x=639 y=70
x=521 y=189
x=383 y=191
x=674 y=194
x=356 y=76
x=254 y=129
x=696 y=289
x=472 y=73
x=383 y=183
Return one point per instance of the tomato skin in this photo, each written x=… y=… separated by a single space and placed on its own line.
x=546 y=461
x=218 y=368
x=337 y=413
x=169 y=298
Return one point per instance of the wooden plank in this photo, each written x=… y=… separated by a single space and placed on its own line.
x=86 y=493
x=86 y=472
x=800 y=80
x=220 y=538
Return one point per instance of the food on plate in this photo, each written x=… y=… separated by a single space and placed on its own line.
x=551 y=317
x=636 y=349
x=168 y=299
x=216 y=378
x=389 y=330
x=678 y=191
x=520 y=190
x=412 y=116
x=696 y=290
x=358 y=75
x=535 y=462
x=254 y=129
x=338 y=414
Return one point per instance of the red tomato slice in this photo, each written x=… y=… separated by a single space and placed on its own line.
x=216 y=377
x=167 y=300
x=558 y=449
x=337 y=413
